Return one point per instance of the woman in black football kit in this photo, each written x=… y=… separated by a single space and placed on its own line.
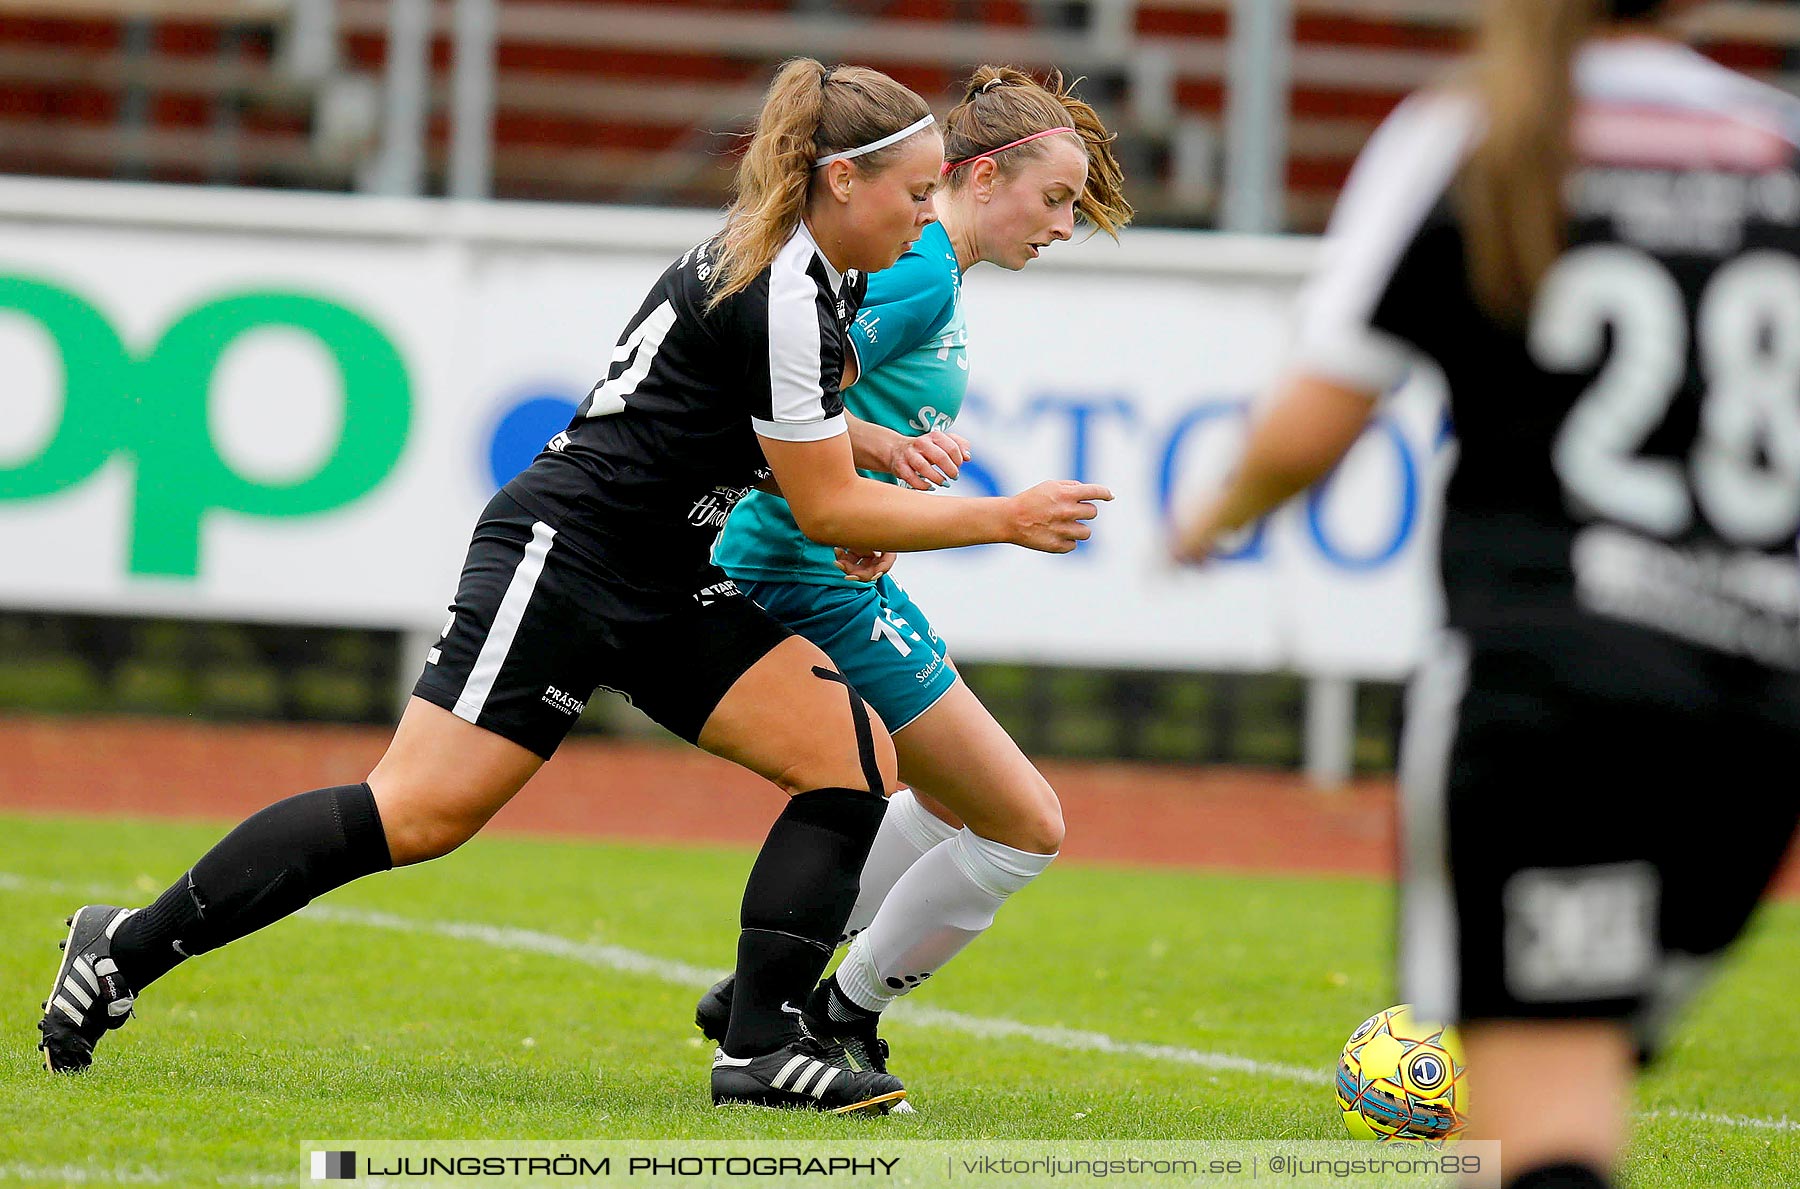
x=1596 y=237
x=591 y=569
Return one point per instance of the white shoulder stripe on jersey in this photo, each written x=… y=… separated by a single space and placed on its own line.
x=796 y=387
x=1398 y=179
x=1670 y=75
x=803 y=431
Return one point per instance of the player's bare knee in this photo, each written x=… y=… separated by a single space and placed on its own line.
x=1039 y=827
x=798 y=777
x=1046 y=830
x=414 y=838
x=417 y=828
x=833 y=772
x=850 y=748
x=819 y=766
x=437 y=837
x=843 y=758
x=871 y=762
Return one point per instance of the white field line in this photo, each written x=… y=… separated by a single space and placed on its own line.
x=1721 y=1120
x=612 y=957
x=629 y=961
x=81 y=1174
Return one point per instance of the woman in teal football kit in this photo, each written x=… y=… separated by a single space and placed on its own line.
x=1022 y=162
x=591 y=568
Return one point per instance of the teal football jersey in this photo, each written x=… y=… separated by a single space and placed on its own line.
x=912 y=354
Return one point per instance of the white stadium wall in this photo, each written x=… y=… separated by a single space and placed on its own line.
x=239 y=405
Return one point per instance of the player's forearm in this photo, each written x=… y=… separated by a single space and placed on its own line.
x=869 y=516
x=871 y=446
x=1256 y=489
x=1306 y=433
x=1311 y=426
x=1250 y=493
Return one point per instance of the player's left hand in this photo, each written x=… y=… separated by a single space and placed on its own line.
x=930 y=460
x=1194 y=540
x=865 y=567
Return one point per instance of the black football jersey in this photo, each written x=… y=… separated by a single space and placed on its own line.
x=1631 y=450
x=666 y=442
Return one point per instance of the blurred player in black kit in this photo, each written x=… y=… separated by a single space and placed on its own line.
x=1595 y=234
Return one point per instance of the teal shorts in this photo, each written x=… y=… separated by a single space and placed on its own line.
x=876 y=636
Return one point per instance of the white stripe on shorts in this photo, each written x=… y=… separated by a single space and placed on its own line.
x=1429 y=964
x=500 y=635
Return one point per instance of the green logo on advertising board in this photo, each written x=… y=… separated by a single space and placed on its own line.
x=153 y=408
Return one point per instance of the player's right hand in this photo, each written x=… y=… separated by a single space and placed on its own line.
x=864 y=567
x=930 y=460
x=1050 y=516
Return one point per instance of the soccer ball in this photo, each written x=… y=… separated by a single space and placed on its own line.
x=1401 y=1079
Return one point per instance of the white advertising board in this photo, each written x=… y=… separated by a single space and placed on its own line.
x=280 y=407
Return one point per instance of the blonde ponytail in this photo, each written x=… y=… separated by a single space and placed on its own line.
x=1511 y=190
x=808 y=112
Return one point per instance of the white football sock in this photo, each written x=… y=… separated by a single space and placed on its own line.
x=946 y=900
x=907 y=832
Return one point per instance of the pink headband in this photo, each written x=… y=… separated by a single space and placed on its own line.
x=1011 y=144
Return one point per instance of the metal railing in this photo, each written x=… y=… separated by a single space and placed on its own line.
x=372 y=133
x=1257 y=63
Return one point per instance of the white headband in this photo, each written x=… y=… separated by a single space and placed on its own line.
x=883 y=143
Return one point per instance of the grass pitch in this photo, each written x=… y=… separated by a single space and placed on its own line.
x=535 y=989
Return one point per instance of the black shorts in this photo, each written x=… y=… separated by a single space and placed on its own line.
x=539 y=624
x=1586 y=824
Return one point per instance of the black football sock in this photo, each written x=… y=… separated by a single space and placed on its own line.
x=796 y=901
x=274 y=863
x=829 y=1002
x=1560 y=1176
